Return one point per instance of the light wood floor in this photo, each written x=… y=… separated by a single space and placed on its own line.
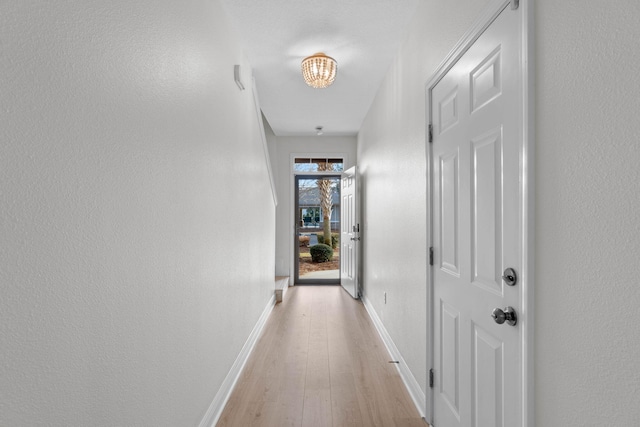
x=320 y=362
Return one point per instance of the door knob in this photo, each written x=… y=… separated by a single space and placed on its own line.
x=508 y=315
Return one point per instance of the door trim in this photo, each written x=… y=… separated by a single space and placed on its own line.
x=527 y=188
x=291 y=252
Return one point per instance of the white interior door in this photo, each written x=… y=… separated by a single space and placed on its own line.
x=476 y=112
x=349 y=232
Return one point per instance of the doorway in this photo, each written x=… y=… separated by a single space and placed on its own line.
x=317 y=230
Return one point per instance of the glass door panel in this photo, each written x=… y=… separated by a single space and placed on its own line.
x=317 y=218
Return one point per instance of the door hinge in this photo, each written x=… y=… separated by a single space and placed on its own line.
x=431 y=378
x=431 y=255
x=515 y=4
x=430 y=132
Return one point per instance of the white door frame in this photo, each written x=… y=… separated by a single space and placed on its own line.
x=527 y=187
x=292 y=194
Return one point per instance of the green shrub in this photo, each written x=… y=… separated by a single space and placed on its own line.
x=321 y=253
x=335 y=239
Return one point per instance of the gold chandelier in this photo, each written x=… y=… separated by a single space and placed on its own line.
x=319 y=70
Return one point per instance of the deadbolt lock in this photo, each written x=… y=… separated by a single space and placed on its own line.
x=510 y=277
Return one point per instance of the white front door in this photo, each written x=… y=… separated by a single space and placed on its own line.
x=476 y=112
x=349 y=233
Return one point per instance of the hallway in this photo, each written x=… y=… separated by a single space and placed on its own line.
x=320 y=362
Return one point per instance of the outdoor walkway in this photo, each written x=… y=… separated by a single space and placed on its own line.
x=324 y=274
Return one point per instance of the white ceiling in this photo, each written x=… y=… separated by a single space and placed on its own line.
x=363 y=36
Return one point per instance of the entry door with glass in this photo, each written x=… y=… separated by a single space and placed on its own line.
x=317 y=229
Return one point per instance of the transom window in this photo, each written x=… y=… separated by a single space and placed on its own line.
x=315 y=164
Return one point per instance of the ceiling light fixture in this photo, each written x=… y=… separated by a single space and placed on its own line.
x=319 y=130
x=319 y=70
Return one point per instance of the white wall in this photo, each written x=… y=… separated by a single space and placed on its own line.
x=285 y=147
x=588 y=228
x=587 y=369
x=392 y=161
x=130 y=274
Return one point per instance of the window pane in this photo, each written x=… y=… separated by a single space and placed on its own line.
x=318 y=164
x=305 y=167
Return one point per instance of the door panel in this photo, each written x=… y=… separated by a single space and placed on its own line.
x=486 y=81
x=476 y=232
x=349 y=233
x=486 y=212
x=449 y=216
x=450 y=357
x=487 y=379
x=448 y=109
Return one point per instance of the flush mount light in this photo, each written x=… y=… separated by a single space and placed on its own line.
x=319 y=70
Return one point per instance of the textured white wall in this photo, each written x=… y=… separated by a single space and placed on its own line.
x=285 y=146
x=132 y=269
x=392 y=161
x=588 y=204
x=587 y=368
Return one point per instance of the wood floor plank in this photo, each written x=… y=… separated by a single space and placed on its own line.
x=344 y=401
x=317 y=408
x=320 y=362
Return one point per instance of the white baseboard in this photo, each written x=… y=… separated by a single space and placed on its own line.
x=220 y=400
x=416 y=393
